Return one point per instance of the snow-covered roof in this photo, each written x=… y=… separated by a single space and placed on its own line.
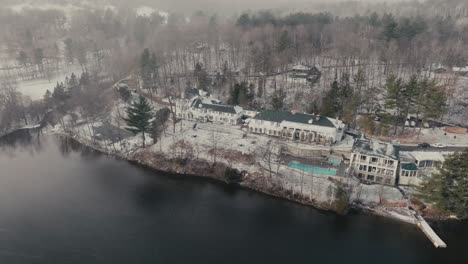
x=318 y=67
x=301 y=67
x=205 y=100
x=376 y=148
x=336 y=122
x=203 y=93
x=280 y=116
x=238 y=109
x=427 y=155
x=215 y=105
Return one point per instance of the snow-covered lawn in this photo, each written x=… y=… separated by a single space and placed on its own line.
x=36 y=89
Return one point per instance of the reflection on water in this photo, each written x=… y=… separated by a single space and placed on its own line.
x=61 y=202
x=33 y=141
x=28 y=140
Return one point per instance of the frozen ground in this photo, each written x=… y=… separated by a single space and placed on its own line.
x=433 y=135
x=438 y=135
x=240 y=150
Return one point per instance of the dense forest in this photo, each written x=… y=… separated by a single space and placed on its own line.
x=361 y=49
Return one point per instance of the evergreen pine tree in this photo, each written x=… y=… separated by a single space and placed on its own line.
x=330 y=103
x=139 y=115
x=277 y=100
x=145 y=69
x=395 y=98
x=448 y=189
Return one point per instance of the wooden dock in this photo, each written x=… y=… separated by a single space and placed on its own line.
x=427 y=230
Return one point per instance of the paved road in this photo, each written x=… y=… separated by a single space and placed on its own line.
x=416 y=148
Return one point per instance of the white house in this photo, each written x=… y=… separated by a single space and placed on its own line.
x=182 y=107
x=408 y=174
x=211 y=110
x=425 y=162
x=249 y=113
x=300 y=127
x=374 y=161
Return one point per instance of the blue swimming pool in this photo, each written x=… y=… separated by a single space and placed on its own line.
x=312 y=169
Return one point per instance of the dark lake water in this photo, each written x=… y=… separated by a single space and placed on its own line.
x=62 y=203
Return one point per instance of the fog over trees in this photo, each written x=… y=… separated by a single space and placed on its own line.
x=240 y=55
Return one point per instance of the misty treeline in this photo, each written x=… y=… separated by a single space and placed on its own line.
x=241 y=58
x=257 y=42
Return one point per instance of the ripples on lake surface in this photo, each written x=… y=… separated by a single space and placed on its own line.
x=64 y=203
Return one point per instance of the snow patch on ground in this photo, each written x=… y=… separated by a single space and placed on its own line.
x=438 y=135
x=148 y=11
x=36 y=89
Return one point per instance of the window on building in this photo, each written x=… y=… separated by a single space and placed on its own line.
x=363 y=158
x=378 y=179
x=388 y=181
x=370 y=177
x=374 y=160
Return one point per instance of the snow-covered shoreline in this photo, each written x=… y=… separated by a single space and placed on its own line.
x=253 y=180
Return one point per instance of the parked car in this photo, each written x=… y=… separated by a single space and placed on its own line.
x=424 y=145
x=438 y=145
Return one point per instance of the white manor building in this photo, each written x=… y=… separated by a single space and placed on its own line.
x=375 y=161
x=300 y=127
x=205 y=109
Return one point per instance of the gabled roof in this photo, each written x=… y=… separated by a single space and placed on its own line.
x=376 y=148
x=280 y=116
x=301 y=67
x=215 y=106
x=427 y=155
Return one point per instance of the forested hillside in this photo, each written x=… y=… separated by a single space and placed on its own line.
x=357 y=47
